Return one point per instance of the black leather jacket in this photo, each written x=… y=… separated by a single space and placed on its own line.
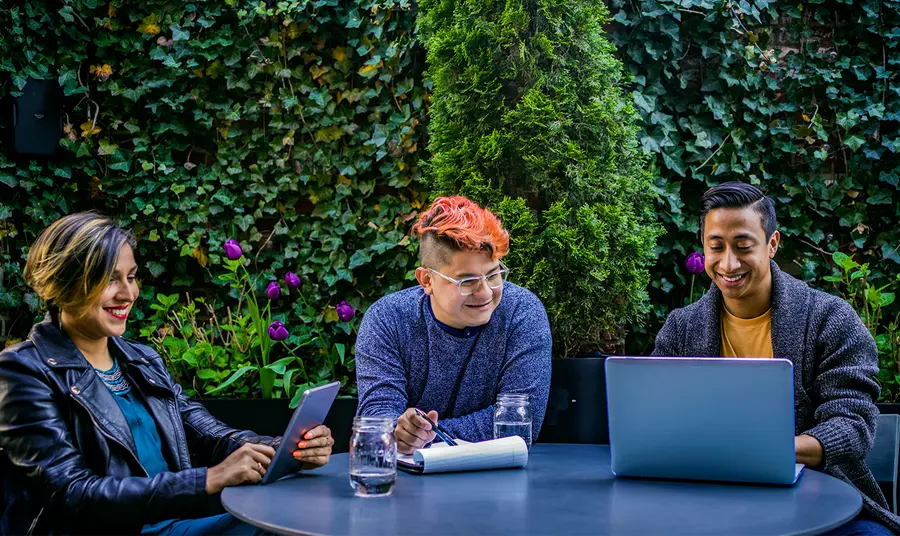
x=68 y=459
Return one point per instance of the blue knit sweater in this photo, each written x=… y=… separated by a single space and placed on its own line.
x=406 y=358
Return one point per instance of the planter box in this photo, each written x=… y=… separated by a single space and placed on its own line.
x=576 y=408
x=270 y=416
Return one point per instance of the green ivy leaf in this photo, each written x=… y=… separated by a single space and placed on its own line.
x=359 y=258
x=889 y=252
x=19 y=81
x=854 y=142
x=674 y=163
x=353 y=19
x=156 y=268
x=643 y=103
x=178 y=34
x=106 y=148
x=379 y=135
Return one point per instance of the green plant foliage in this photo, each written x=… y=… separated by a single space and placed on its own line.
x=232 y=352
x=852 y=280
x=294 y=127
x=800 y=98
x=528 y=117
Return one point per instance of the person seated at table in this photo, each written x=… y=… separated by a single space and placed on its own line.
x=95 y=436
x=452 y=344
x=753 y=309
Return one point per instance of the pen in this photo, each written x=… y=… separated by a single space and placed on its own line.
x=445 y=437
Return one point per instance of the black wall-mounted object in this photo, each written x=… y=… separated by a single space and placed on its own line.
x=37 y=118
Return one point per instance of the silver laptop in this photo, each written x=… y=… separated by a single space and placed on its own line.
x=702 y=419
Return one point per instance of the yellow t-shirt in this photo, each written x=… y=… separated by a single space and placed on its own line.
x=746 y=337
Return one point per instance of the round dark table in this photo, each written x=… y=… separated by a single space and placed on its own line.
x=565 y=489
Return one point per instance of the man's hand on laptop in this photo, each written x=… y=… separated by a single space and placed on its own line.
x=809 y=450
x=413 y=432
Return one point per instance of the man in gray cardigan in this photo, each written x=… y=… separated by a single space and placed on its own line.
x=753 y=309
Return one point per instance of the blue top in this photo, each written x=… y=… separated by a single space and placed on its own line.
x=456 y=332
x=406 y=358
x=142 y=425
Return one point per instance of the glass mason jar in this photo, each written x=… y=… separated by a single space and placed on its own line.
x=373 y=456
x=512 y=416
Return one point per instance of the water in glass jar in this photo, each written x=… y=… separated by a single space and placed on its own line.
x=507 y=429
x=373 y=481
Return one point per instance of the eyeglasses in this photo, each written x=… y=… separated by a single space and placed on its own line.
x=469 y=285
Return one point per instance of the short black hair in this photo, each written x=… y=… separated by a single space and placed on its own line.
x=739 y=195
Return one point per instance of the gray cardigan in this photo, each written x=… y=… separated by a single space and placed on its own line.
x=835 y=361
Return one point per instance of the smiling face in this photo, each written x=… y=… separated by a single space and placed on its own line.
x=737 y=259
x=109 y=315
x=449 y=306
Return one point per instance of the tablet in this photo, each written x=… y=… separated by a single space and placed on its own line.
x=313 y=408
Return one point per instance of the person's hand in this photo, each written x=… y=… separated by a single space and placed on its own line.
x=809 y=450
x=247 y=464
x=413 y=432
x=315 y=447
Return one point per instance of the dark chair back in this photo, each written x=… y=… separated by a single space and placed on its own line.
x=882 y=459
x=576 y=409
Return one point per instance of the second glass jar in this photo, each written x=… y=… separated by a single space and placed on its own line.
x=512 y=416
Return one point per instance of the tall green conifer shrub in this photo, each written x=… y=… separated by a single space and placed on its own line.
x=528 y=116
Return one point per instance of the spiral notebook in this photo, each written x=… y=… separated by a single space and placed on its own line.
x=503 y=453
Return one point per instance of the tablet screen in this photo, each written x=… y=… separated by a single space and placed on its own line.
x=313 y=408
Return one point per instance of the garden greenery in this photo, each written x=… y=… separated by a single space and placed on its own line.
x=292 y=127
x=297 y=128
x=230 y=352
x=799 y=98
x=853 y=281
x=529 y=117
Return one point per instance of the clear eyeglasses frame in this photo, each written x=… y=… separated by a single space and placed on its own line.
x=469 y=285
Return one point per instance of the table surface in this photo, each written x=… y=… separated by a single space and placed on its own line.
x=565 y=489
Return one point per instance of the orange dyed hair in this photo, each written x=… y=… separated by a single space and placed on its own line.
x=458 y=224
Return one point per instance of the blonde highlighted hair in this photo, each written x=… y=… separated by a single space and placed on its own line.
x=70 y=264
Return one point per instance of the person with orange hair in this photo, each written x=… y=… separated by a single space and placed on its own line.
x=461 y=337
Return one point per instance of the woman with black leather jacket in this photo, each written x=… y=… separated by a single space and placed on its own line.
x=95 y=435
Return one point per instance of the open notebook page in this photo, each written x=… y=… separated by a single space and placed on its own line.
x=493 y=454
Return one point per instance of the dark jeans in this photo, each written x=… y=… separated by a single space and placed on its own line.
x=860 y=527
x=221 y=524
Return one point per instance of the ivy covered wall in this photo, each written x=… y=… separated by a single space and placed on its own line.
x=293 y=127
x=298 y=128
x=800 y=98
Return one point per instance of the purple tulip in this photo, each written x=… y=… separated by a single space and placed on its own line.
x=233 y=249
x=292 y=280
x=273 y=291
x=345 y=311
x=695 y=263
x=277 y=331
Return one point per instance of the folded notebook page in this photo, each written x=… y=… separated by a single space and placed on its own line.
x=494 y=454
